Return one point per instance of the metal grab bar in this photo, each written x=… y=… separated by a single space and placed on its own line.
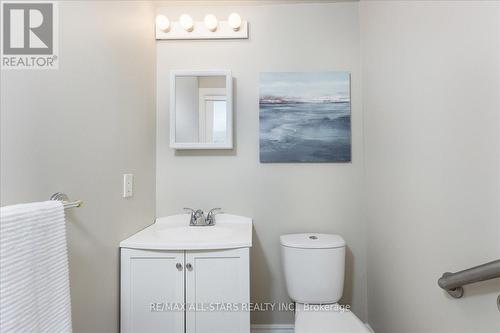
x=453 y=282
x=65 y=201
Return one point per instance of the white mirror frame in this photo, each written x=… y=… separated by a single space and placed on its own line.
x=229 y=114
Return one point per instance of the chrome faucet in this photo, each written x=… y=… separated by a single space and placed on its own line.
x=198 y=217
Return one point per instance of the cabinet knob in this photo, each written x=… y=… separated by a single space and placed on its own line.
x=179 y=266
x=189 y=267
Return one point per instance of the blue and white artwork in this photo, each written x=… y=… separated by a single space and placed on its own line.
x=305 y=117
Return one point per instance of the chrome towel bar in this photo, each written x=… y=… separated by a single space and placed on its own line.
x=453 y=282
x=59 y=196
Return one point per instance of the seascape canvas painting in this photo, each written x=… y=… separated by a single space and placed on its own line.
x=305 y=117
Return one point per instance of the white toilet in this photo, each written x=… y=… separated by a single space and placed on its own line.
x=314 y=266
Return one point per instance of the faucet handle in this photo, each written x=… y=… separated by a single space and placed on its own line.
x=211 y=215
x=192 y=220
x=213 y=211
x=189 y=210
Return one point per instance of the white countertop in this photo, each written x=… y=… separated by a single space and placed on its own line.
x=174 y=233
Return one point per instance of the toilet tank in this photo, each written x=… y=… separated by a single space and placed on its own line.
x=313 y=265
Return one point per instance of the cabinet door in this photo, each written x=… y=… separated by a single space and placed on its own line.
x=152 y=284
x=217 y=277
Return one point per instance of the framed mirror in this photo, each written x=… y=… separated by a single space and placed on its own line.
x=201 y=113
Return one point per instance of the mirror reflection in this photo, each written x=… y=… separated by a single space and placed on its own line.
x=200 y=109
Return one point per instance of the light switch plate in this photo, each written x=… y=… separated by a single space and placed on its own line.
x=128 y=185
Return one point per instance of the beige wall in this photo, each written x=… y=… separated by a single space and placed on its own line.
x=431 y=83
x=77 y=130
x=430 y=92
x=281 y=198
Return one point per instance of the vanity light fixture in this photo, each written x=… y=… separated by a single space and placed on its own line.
x=185 y=27
x=211 y=22
x=234 y=21
x=186 y=22
x=162 y=23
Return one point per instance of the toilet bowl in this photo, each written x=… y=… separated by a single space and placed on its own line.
x=333 y=320
x=314 y=267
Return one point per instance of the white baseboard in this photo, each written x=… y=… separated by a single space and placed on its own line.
x=283 y=328
x=273 y=328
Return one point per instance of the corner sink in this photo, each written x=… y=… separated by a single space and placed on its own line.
x=175 y=233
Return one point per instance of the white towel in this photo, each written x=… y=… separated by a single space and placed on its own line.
x=34 y=275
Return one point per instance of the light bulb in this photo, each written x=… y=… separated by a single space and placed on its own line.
x=234 y=21
x=211 y=22
x=162 y=22
x=186 y=22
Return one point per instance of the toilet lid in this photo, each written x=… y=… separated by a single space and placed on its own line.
x=327 y=320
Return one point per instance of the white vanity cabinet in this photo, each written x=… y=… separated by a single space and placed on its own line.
x=192 y=291
x=219 y=279
x=148 y=280
x=177 y=278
